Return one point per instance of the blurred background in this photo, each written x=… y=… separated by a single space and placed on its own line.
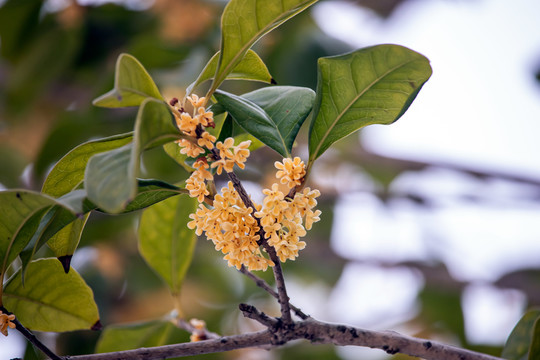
x=430 y=227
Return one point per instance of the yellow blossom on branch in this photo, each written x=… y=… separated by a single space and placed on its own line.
x=291 y=172
x=6 y=321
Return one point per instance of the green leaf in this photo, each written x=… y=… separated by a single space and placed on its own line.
x=165 y=241
x=374 y=85
x=67 y=175
x=20 y=215
x=251 y=67
x=51 y=300
x=139 y=335
x=230 y=128
x=111 y=177
x=534 y=349
x=244 y=22
x=151 y=192
x=132 y=85
x=173 y=150
x=254 y=120
x=520 y=339
x=287 y=106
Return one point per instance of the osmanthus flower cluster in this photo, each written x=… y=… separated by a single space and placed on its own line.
x=238 y=229
x=6 y=321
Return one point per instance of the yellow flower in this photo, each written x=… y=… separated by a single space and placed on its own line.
x=204 y=117
x=189 y=148
x=207 y=140
x=6 y=321
x=187 y=124
x=196 y=186
x=291 y=172
x=196 y=101
x=201 y=165
x=225 y=148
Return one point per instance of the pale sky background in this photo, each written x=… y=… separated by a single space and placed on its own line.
x=481 y=108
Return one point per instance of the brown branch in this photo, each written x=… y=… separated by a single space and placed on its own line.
x=31 y=337
x=283 y=298
x=264 y=285
x=314 y=331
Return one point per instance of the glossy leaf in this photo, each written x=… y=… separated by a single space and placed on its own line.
x=111 y=177
x=251 y=67
x=139 y=335
x=51 y=300
x=132 y=85
x=244 y=22
x=173 y=150
x=165 y=241
x=374 y=85
x=151 y=192
x=520 y=339
x=253 y=119
x=287 y=106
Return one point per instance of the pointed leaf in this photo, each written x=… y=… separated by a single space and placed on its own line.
x=67 y=175
x=132 y=85
x=244 y=22
x=51 y=300
x=139 y=335
x=287 y=106
x=251 y=67
x=374 y=85
x=165 y=241
x=20 y=215
x=520 y=339
x=68 y=172
x=111 y=177
x=254 y=120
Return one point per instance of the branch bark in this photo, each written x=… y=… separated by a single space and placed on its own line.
x=311 y=330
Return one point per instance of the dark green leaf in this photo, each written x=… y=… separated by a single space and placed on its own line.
x=111 y=177
x=534 y=349
x=165 y=241
x=132 y=85
x=244 y=22
x=254 y=120
x=374 y=85
x=287 y=106
x=251 y=67
x=51 y=300
x=520 y=339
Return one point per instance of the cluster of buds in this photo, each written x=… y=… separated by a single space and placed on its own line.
x=6 y=321
x=234 y=227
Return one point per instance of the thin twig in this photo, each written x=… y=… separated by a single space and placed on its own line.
x=314 y=331
x=264 y=285
x=283 y=298
x=31 y=337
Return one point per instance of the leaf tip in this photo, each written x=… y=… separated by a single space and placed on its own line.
x=273 y=81
x=65 y=260
x=97 y=326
